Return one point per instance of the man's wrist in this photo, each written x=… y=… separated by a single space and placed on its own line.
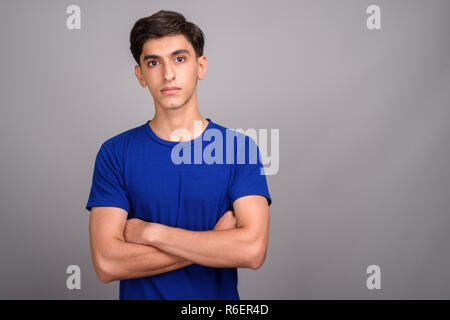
x=152 y=233
x=154 y=236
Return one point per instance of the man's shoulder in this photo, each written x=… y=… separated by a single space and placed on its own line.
x=124 y=138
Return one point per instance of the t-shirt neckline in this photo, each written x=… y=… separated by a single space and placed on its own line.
x=152 y=135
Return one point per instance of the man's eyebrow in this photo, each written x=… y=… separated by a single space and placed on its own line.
x=154 y=56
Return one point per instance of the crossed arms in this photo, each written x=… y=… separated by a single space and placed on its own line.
x=125 y=249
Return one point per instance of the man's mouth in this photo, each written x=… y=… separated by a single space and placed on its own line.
x=170 y=90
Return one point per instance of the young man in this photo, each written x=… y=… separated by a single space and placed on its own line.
x=170 y=230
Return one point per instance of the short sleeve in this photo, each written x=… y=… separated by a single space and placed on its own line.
x=108 y=185
x=249 y=177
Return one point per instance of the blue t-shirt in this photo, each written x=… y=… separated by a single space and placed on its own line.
x=139 y=172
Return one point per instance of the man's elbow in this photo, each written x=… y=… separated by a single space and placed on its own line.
x=105 y=277
x=257 y=257
x=257 y=263
x=104 y=270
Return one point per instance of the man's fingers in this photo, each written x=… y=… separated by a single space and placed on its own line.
x=230 y=212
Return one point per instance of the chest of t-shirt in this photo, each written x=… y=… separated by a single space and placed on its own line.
x=191 y=196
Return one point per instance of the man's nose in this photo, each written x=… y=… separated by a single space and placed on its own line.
x=169 y=72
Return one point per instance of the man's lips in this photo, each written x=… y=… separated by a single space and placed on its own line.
x=170 y=90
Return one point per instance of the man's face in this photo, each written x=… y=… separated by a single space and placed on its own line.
x=170 y=62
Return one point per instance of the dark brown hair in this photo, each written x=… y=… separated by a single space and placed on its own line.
x=164 y=23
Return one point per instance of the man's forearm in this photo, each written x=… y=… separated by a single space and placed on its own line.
x=125 y=260
x=231 y=248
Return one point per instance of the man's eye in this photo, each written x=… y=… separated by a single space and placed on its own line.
x=153 y=63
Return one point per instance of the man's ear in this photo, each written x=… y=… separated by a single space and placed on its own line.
x=138 y=73
x=202 y=66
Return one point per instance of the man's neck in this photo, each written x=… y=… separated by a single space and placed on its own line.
x=164 y=124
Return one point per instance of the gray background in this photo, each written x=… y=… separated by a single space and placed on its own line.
x=364 y=125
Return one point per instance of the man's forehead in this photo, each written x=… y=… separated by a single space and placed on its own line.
x=166 y=45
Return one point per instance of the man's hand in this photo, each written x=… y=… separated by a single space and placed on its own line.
x=138 y=231
x=227 y=221
x=237 y=240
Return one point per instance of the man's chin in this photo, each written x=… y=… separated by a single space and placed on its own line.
x=171 y=106
x=171 y=103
